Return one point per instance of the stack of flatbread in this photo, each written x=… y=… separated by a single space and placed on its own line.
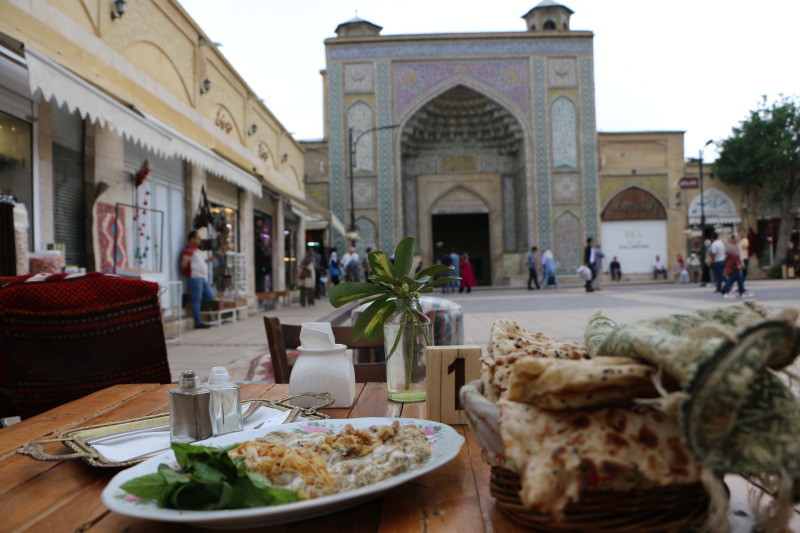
x=570 y=424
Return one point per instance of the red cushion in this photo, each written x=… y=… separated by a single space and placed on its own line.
x=65 y=336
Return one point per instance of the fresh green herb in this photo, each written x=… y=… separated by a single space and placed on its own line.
x=207 y=479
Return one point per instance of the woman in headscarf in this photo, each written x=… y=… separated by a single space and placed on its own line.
x=549 y=263
x=467 y=277
x=308 y=278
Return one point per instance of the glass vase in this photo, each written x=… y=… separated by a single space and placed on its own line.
x=406 y=334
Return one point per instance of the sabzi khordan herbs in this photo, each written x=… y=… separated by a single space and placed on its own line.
x=207 y=479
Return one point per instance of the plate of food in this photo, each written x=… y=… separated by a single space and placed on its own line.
x=293 y=472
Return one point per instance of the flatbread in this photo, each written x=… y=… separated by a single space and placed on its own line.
x=560 y=454
x=508 y=342
x=566 y=384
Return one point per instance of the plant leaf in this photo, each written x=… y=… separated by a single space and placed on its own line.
x=433 y=270
x=348 y=292
x=404 y=256
x=380 y=264
x=442 y=281
x=370 y=322
x=147 y=487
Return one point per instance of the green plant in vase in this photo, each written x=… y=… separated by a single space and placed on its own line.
x=394 y=312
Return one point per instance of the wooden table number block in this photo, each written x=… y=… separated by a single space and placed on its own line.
x=449 y=368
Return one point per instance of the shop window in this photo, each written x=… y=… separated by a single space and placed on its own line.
x=262 y=226
x=224 y=241
x=16 y=174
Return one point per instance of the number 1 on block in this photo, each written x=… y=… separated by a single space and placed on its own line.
x=450 y=368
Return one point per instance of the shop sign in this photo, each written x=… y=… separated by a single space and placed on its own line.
x=689 y=183
x=634 y=204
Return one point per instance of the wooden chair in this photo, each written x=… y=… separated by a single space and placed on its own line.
x=281 y=337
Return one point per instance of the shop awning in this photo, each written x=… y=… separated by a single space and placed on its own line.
x=55 y=82
x=712 y=220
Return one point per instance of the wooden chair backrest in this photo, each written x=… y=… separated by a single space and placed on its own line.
x=281 y=337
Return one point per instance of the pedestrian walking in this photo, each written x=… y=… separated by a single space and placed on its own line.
x=446 y=260
x=744 y=247
x=195 y=268
x=598 y=265
x=694 y=266
x=467 y=277
x=533 y=261
x=456 y=262
x=733 y=270
x=588 y=261
x=549 y=264
x=307 y=277
x=716 y=256
x=333 y=267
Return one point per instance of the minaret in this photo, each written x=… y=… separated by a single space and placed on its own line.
x=548 y=16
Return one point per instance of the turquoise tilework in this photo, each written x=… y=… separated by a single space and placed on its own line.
x=337 y=151
x=472 y=47
x=541 y=161
x=385 y=235
x=589 y=146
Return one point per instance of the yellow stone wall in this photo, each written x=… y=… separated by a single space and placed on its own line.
x=151 y=58
x=653 y=161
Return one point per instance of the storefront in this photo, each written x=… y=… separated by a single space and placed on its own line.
x=16 y=157
x=634 y=229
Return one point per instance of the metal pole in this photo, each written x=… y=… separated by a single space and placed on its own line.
x=702 y=198
x=352 y=150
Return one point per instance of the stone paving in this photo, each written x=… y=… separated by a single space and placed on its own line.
x=560 y=313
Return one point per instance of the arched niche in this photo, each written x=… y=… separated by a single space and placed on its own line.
x=634 y=203
x=154 y=62
x=567 y=242
x=360 y=119
x=459 y=200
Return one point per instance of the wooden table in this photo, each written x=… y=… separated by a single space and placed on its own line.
x=65 y=495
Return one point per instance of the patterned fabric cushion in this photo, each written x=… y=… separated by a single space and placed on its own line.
x=63 y=336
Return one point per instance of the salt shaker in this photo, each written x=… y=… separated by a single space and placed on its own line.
x=226 y=411
x=190 y=410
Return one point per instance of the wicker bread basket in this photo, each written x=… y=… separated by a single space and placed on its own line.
x=656 y=509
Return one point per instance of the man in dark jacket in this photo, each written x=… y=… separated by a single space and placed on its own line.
x=589 y=261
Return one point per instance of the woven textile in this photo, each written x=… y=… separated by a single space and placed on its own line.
x=65 y=336
x=738 y=416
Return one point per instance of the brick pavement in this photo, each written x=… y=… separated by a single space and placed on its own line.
x=560 y=313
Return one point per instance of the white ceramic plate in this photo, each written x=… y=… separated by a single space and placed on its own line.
x=445 y=445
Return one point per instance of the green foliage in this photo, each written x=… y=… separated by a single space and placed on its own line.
x=391 y=281
x=763 y=154
x=764 y=151
x=775 y=271
x=207 y=480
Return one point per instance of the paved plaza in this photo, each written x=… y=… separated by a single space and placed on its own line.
x=560 y=313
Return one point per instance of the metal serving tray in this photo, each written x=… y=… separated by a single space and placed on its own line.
x=77 y=439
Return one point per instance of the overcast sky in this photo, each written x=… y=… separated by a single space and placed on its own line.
x=697 y=66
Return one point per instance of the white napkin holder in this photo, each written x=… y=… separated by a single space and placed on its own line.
x=322 y=366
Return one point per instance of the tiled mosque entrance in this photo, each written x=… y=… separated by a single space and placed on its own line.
x=463 y=166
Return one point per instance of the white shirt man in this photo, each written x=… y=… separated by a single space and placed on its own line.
x=350 y=274
x=716 y=253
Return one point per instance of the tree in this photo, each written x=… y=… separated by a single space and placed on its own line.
x=764 y=153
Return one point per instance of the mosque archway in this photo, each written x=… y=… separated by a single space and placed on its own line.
x=463 y=166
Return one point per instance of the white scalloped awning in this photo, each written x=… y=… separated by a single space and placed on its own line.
x=55 y=82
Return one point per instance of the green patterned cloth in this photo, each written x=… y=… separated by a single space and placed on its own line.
x=737 y=415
